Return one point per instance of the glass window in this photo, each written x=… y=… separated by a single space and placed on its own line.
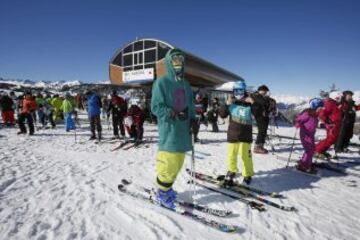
x=150 y=44
x=118 y=59
x=128 y=60
x=138 y=67
x=162 y=50
x=150 y=56
x=150 y=66
x=128 y=69
x=128 y=49
x=141 y=55
x=135 y=58
x=138 y=45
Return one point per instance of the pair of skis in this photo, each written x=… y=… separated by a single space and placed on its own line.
x=126 y=145
x=240 y=192
x=183 y=208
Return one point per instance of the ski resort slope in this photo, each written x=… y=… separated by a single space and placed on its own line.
x=54 y=188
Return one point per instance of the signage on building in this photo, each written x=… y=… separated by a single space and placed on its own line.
x=136 y=75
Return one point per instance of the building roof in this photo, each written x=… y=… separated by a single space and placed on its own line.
x=150 y=52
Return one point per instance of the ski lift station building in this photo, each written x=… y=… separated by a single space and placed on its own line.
x=141 y=62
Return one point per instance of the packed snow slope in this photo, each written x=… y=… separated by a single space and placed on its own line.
x=54 y=188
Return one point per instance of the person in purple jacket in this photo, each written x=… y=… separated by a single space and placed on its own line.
x=307 y=121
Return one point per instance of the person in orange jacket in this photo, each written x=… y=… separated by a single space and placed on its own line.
x=27 y=110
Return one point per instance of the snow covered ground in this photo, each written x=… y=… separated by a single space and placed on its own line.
x=54 y=188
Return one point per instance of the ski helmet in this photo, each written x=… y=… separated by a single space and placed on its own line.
x=336 y=96
x=315 y=103
x=239 y=89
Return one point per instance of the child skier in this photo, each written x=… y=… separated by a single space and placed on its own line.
x=307 y=121
x=239 y=133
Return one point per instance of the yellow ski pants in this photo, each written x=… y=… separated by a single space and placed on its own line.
x=244 y=150
x=168 y=165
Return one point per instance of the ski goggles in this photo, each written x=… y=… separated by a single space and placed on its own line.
x=239 y=92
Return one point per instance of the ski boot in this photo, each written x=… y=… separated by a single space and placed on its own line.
x=323 y=156
x=99 y=136
x=247 y=180
x=21 y=132
x=260 y=150
x=229 y=178
x=93 y=137
x=166 y=198
x=137 y=142
x=301 y=168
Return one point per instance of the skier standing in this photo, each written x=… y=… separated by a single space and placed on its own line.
x=40 y=102
x=172 y=103
x=330 y=115
x=7 y=110
x=348 y=109
x=56 y=102
x=27 y=110
x=67 y=108
x=213 y=114
x=117 y=107
x=307 y=121
x=94 y=111
x=261 y=114
x=48 y=111
x=200 y=110
x=239 y=135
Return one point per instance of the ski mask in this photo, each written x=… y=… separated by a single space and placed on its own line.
x=177 y=62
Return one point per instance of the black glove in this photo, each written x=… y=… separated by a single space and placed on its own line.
x=181 y=116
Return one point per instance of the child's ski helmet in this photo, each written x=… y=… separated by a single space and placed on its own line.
x=239 y=89
x=315 y=103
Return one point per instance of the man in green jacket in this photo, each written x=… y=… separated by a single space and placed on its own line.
x=56 y=104
x=172 y=103
x=67 y=107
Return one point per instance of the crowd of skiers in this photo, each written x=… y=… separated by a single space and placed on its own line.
x=180 y=114
x=42 y=109
x=337 y=114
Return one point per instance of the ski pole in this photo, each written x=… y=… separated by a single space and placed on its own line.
x=292 y=148
x=193 y=166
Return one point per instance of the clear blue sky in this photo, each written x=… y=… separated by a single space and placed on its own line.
x=295 y=47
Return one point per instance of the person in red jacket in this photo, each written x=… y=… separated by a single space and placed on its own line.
x=28 y=108
x=330 y=115
x=134 y=123
x=117 y=107
x=7 y=110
